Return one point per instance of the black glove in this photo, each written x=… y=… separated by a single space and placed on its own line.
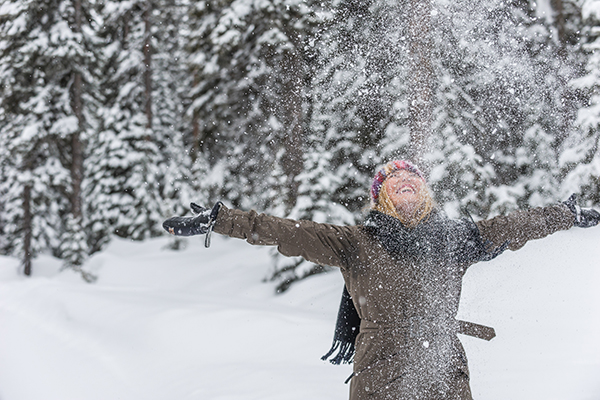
x=583 y=218
x=200 y=224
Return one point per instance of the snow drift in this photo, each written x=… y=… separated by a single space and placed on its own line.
x=202 y=324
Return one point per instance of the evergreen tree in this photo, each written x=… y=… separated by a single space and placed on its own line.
x=581 y=155
x=32 y=181
x=503 y=93
x=359 y=118
x=47 y=97
x=170 y=86
x=360 y=107
x=250 y=61
x=136 y=166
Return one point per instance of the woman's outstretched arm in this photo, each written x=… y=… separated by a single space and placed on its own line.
x=319 y=243
x=323 y=244
x=521 y=226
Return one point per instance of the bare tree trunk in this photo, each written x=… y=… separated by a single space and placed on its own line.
x=76 y=145
x=125 y=30
x=27 y=229
x=148 y=63
x=195 y=150
x=421 y=76
x=77 y=156
x=293 y=121
x=569 y=93
x=559 y=22
x=195 y=137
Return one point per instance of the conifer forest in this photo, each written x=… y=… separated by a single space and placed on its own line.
x=114 y=115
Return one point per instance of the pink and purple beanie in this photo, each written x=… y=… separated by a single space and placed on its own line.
x=388 y=169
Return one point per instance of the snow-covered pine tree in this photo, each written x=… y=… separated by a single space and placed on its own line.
x=554 y=49
x=73 y=247
x=32 y=181
x=462 y=54
x=82 y=60
x=137 y=152
x=359 y=116
x=250 y=60
x=580 y=157
x=360 y=112
x=502 y=94
x=171 y=83
x=44 y=68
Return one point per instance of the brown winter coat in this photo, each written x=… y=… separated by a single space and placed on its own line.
x=408 y=345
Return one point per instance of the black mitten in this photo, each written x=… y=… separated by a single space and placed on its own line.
x=583 y=218
x=196 y=225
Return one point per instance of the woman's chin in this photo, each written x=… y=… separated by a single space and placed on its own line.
x=406 y=201
x=407 y=208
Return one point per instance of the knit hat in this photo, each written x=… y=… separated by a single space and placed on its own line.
x=389 y=169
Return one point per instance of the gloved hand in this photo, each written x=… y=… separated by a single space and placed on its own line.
x=583 y=218
x=202 y=223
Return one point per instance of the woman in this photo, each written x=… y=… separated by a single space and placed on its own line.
x=403 y=270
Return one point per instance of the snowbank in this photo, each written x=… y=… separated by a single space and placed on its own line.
x=201 y=324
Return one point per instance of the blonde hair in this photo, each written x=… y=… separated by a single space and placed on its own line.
x=421 y=213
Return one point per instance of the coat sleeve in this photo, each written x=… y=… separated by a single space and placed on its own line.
x=323 y=244
x=521 y=226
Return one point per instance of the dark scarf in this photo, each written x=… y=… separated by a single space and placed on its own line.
x=437 y=238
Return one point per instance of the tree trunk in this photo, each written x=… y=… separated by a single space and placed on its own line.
x=27 y=229
x=196 y=145
x=293 y=121
x=559 y=22
x=421 y=76
x=77 y=161
x=569 y=94
x=148 y=63
x=76 y=145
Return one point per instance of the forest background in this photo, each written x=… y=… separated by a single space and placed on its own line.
x=116 y=114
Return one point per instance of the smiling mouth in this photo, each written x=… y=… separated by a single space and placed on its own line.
x=407 y=189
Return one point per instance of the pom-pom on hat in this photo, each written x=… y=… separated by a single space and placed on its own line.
x=386 y=171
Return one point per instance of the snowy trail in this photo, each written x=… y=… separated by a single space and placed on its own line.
x=201 y=324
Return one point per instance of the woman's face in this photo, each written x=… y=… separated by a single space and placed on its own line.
x=404 y=189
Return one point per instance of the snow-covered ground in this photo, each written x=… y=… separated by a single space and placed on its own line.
x=201 y=324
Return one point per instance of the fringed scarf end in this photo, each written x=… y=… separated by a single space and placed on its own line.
x=345 y=353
